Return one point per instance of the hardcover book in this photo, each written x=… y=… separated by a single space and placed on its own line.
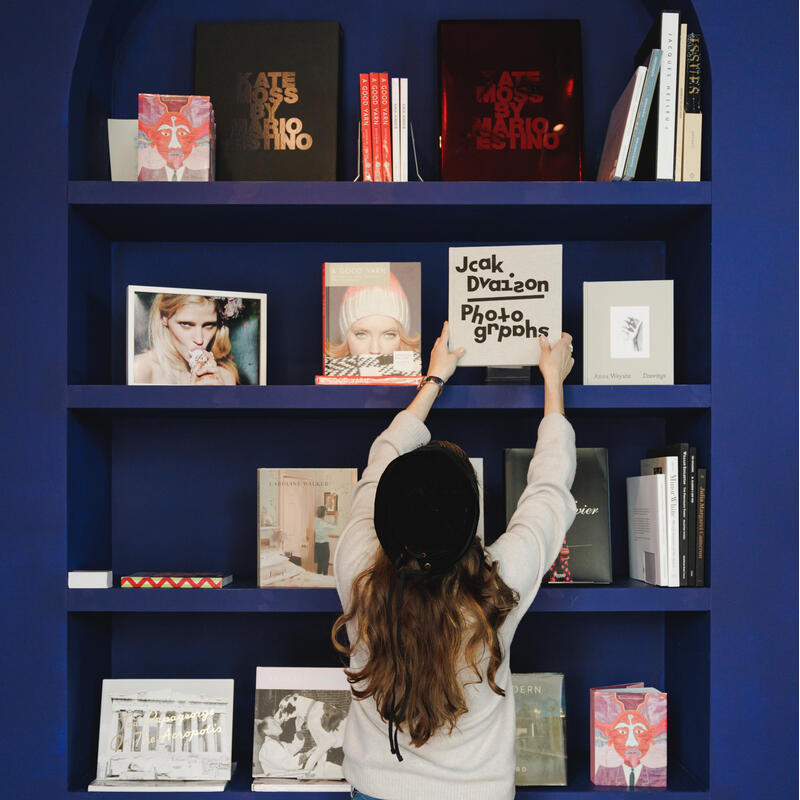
x=501 y=299
x=702 y=511
x=196 y=337
x=647 y=529
x=669 y=467
x=693 y=108
x=175 y=580
x=620 y=129
x=300 y=717
x=511 y=100
x=165 y=730
x=652 y=66
x=275 y=87
x=123 y=149
x=629 y=736
x=585 y=556
x=176 y=138
x=541 y=736
x=301 y=514
x=628 y=333
x=371 y=321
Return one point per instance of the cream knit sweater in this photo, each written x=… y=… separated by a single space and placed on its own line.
x=476 y=760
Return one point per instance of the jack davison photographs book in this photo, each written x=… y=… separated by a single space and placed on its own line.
x=165 y=730
x=500 y=299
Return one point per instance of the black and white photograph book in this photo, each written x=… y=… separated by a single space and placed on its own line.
x=628 y=333
x=300 y=718
x=163 y=731
x=196 y=337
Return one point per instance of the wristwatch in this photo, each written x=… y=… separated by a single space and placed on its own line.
x=432 y=379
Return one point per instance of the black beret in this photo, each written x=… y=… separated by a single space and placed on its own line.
x=427 y=507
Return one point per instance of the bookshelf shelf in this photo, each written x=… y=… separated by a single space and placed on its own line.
x=300 y=399
x=624 y=596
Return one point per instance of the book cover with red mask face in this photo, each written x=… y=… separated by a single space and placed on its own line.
x=511 y=100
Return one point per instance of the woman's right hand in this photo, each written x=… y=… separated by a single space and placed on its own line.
x=556 y=362
x=206 y=373
x=443 y=361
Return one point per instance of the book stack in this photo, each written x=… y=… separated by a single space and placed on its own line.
x=384 y=127
x=655 y=128
x=667 y=507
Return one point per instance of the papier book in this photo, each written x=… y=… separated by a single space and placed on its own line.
x=585 y=555
x=299 y=725
x=165 y=730
x=371 y=322
x=541 y=736
x=275 y=88
x=629 y=736
x=501 y=298
x=511 y=100
x=301 y=515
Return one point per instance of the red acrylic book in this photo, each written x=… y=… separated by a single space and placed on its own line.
x=386 y=126
x=375 y=121
x=366 y=126
x=511 y=100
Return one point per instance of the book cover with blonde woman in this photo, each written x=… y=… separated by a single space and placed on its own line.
x=371 y=323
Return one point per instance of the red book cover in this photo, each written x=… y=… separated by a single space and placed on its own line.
x=386 y=127
x=375 y=119
x=175 y=580
x=366 y=125
x=511 y=100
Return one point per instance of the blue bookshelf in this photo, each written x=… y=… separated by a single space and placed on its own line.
x=102 y=475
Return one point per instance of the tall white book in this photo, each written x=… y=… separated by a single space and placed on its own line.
x=647 y=529
x=620 y=129
x=667 y=95
x=403 y=129
x=668 y=466
x=395 y=98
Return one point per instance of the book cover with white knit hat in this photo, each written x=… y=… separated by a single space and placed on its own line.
x=372 y=322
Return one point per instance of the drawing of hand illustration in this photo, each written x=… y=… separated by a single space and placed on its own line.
x=632 y=329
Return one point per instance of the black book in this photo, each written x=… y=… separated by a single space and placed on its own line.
x=275 y=91
x=702 y=512
x=687 y=564
x=586 y=554
x=692 y=517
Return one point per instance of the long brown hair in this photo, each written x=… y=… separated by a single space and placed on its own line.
x=442 y=620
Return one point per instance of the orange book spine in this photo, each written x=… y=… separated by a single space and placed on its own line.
x=366 y=126
x=375 y=120
x=386 y=127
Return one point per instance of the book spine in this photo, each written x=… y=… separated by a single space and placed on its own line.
x=404 y=129
x=702 y=510
x=642 y=115
x=375 y=123
x=366 y=139
x=683 y=466
x=324 y=318
x=680 y=104
x=360 y=380
x=667 y=91
x=395 y=129
x=673 y=527
x=693 y=117
x=625 y=145
x=386 y=126
x=691 y=546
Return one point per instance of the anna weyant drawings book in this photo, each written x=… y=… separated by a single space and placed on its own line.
x=299 y=724
x=165 y=731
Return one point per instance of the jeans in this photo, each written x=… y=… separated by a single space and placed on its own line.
x=356 y=795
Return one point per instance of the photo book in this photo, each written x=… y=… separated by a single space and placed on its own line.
x=501 y=298
x=511 y=100
x=299 y=723
x=176 y=138
x=628 y=334
x=166 y=731
x=196 y=337
x=371 y=323
x=275 y=87
x=585 y=556
x=175 y=580
x=541 y=730
x=629 y=736
x=301 y=515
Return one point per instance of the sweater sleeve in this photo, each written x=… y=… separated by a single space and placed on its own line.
x=358 y=541
x=544 y=513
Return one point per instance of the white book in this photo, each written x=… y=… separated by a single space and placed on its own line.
x=620 y=128
x=681 y=109
x=90 y=579
x=396 y=129
x=477 y=465
x=647 y=529
x=403 y=129
x=294 y=785
x=692 y=145
x=667 y=95
x=628 y=333
x=123 y=149
x=157 y=786
x=668 y=466
x=500 y=299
